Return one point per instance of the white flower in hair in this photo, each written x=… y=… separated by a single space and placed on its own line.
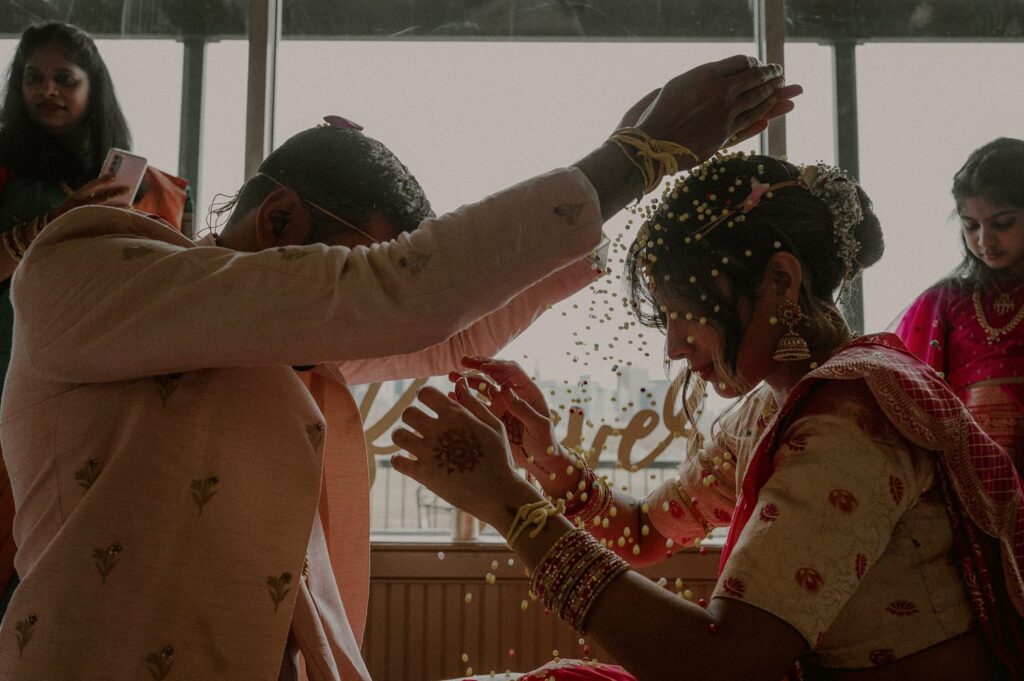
x=839 y=193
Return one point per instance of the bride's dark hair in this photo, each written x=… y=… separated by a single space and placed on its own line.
x=669 y=261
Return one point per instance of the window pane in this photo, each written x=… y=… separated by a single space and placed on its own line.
x=923 y=109
x=810 y=131
x=223 y=158
x=470 y=118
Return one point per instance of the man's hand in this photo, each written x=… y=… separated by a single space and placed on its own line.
x=714 y=104
x=704 y=109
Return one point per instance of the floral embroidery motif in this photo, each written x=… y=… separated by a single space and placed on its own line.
x=23 y=630
x=769 y=512
x=106 y=560
x=166 y=385
x=881 y=656
x=203 y=490
x=809 y=578
x=292 y=253
x=896 y=489
x=902 y=608
x=315 y=432
x=675 y=508
x=133 y=252
x=860 y=565
x=278 y=587
x=796 y=444
x=414 y=261
x=843 y=500
x=87 y=474
x=160 y=663
x=734 y=587
x=722 y=515
x=569 y=212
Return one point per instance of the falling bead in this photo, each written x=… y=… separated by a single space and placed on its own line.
x=469 y=598
x=494 y=565
x=645 y=530
x=440 y=555
x=688 y=595
x=465 y=657
x=636 y=549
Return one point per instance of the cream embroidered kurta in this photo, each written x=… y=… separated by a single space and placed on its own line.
x=172 y=472
x=850 y=542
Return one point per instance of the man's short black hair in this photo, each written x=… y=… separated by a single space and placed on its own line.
x=345 y=171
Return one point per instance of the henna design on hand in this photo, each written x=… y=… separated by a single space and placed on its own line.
x=457 y=451
x=513 y=428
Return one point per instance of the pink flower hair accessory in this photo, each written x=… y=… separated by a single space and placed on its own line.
x=335 y=121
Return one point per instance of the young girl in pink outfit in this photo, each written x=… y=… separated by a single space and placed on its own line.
x=970 y=326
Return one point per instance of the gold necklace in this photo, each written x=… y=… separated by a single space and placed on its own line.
x=995 y=333
x=1004 y=303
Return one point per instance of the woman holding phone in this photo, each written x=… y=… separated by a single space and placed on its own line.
x=59 y=118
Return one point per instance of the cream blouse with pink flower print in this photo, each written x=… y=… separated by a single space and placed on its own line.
x=849 y=543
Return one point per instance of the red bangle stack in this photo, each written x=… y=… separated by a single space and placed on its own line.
x=593 y=501
x=573 y=574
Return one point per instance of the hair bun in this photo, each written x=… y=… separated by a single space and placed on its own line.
x=868 y=233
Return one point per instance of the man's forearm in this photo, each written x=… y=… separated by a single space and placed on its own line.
x=614 y=177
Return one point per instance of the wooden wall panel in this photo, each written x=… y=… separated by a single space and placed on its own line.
x=420 y=623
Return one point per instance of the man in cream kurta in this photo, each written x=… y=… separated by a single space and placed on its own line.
x=192 y=503
x=187 y=507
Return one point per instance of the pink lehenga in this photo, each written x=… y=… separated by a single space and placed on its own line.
x=975 y=339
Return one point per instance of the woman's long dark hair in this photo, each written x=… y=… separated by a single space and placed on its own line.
x=994 y=172
x=25 y=147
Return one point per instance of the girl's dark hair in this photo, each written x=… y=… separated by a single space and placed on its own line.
x=669 y=262
x=343 y=170
x=27 y=148
x=994 y=172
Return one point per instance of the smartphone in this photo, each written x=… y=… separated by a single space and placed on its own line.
x=127 y=168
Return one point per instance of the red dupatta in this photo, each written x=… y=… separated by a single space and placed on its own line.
x=984 y=494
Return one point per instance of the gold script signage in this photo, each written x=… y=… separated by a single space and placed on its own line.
x=654 y=432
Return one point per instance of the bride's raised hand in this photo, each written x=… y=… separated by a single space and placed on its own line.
x=533 y=440
x=460 y=454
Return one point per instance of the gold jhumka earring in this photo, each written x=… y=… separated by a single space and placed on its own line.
x=791 y=347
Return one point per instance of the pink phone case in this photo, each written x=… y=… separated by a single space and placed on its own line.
x=128 y=168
